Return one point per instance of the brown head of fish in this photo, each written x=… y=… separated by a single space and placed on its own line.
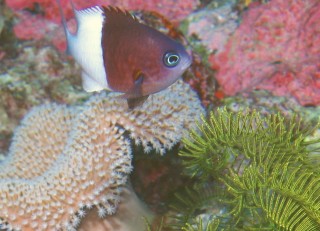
x=118 y=53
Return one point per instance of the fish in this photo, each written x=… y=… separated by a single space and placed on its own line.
x=118 y=53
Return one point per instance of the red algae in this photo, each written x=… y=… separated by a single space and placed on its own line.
x=276 y=48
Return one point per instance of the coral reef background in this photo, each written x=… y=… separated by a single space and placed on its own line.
x=262 y=55
x=42 y=18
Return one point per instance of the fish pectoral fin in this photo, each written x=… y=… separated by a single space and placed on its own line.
x=89 y=84
x=136 y=90
x=135 y=95
x=135 y=102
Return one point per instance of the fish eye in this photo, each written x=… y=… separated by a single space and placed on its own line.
x=171 y=59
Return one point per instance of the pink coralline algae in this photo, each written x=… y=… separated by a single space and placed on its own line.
x=276 y=47
x=213 y=25
x=30 y=24
x=45 y=16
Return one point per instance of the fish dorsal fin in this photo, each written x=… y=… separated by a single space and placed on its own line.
x=91 y=11
x=118 y=16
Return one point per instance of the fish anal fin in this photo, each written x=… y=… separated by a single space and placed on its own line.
x=135 y=102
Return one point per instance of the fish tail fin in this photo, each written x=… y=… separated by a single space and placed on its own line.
x=65 y=26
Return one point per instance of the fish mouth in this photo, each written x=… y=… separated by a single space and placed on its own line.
x=186 y=62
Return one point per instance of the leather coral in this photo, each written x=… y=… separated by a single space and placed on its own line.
x=64 y=160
